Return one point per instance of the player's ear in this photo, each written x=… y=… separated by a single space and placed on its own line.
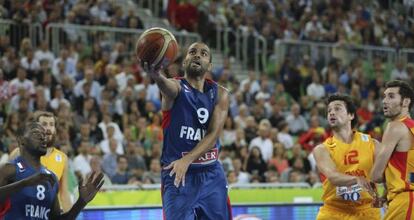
x=406 y=102
x=210 y=67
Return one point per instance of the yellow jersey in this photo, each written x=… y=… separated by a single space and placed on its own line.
x=55 y=161
x=356 y=159
x=399 y=173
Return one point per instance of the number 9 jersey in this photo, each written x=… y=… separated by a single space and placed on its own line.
x=32 y=202
x=186 y=123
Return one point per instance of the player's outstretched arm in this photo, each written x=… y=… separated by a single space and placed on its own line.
x=169 y=87
x=179 y=167
x=392 y=135
x=8 y=188
x=86 y=193
x=328 y=168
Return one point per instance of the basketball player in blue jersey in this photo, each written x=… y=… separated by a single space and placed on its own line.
x=194 y=111
x=29 y=191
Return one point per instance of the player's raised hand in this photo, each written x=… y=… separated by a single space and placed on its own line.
x=179 y=168
x=88 y=190
x=39 y=178
x=151 y=69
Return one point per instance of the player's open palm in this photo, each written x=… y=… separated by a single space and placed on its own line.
x=88 y=190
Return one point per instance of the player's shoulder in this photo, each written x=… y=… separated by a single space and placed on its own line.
x=320 y=148
x=8 y=171
x=57 y=155
x=363 y=137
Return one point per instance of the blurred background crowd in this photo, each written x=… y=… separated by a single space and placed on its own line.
x=108 y=110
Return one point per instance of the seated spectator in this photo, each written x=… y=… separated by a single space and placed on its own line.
x=96 y=166
x=296 y=122
x=154 y=174
x=81 y=162
x=262 y=141
x=279 y=161
x=121 y=175
x=255 y=164
x=241 y=176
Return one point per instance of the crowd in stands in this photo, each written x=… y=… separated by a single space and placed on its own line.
x=108 y=109
x=353 y=21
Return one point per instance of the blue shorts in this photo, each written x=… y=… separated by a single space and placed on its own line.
x=203 y=197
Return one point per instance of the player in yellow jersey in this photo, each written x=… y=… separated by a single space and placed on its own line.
x=344 y=162
x=54 y=160
x=396 y=157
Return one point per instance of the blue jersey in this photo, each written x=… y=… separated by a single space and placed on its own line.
x=186 y=123
x=32 y=202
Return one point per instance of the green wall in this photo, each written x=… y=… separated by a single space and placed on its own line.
x=153 y=197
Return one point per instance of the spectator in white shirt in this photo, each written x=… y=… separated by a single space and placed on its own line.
x=21 y=82
x=242 y=177
x=263 y=141
x=399 y=71
x=283 y=136
x=29 y=62
x=70 y=64
x=81 y=162
x=43 y=53
x=95 y=88
x=297 y=123
x=59 y=98
x=315 y=89
x=105 y=144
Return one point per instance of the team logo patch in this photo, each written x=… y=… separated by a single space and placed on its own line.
x=209 y=157
x=352 y=193
x=21 y=167
x=58 y=158
x=364 y=138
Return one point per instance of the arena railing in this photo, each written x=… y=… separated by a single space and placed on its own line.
x=249 y=48
x=17 y=31
x=116 y=187
x=60 y=35
x=295 y=49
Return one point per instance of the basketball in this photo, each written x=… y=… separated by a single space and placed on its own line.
x=157 y=46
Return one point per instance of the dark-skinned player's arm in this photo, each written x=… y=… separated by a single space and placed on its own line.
x=87 y=192
x=392 y=135
x=8 y=187
x=327 y=167
x=179 y=167
x=169 y=88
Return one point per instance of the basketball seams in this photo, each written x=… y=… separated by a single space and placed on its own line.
x=167 y=40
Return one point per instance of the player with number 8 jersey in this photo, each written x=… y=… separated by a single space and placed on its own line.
x=32 y=202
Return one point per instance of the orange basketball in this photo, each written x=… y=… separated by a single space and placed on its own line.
x=157 y=46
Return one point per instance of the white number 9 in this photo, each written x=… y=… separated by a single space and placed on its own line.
x=202 y=115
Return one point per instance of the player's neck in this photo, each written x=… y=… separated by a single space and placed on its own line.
x=196 y=82
x=403 y=114
x=33 y=160
x=345 y=134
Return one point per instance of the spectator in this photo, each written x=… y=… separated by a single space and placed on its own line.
x=82 y=161
x=154 y=173
x=262 y=141
x=255 y=165
x=121 y=175
x=109 y=164
x=241 y=176
x=278 y=160
x=296 y=122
